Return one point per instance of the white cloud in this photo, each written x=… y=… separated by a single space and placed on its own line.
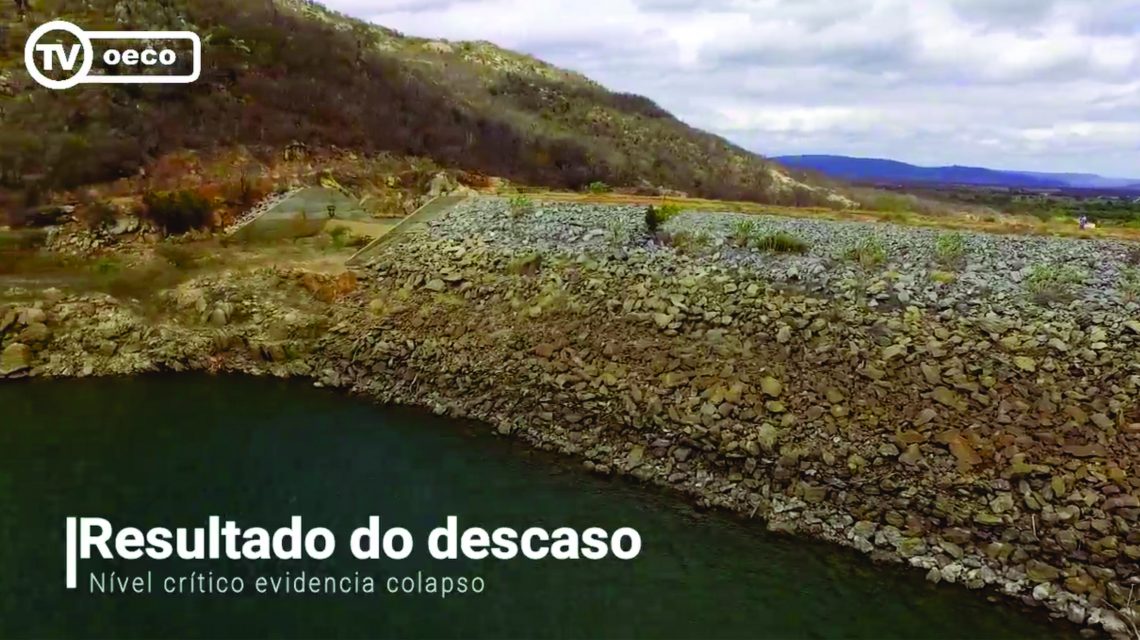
x=1032 y=84
x=793 y=119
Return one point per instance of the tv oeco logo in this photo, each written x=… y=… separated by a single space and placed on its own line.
x=148 y=57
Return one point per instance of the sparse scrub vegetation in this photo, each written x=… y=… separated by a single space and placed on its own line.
x=780 y=242
x=178 y=211
x=950 y=249
x=892 y=202
x=869 y=253
x=944 y=277
x=1130 y=284
x=598 y=187
x=21 y=241
x=277 y=77
x=99 y=215
x=343 y=237
x=743 y=231
x=689 y=243
x=553 y=299
x=616 y=233
x=898 y=217
x=137 y=281
x=106 y=265
x=657 y=216
x=1053 y=283
x=179 y=256
x=1133 y=257
x=247 y=191
x=520 y=207
x=527 y=264
x=669 y=211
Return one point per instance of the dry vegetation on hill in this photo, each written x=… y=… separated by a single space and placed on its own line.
x=278 y=72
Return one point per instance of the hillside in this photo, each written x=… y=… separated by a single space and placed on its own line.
x=281 y=72
x=891 y=171
x=1087 y=180
x=879 y=170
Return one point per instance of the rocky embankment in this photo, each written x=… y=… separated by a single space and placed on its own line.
x=962 y=425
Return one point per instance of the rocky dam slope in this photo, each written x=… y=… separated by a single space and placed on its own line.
x=965 y=404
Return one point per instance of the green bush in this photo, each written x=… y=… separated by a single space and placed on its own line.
x=520 y=207
x=868 y=253
x=950 y=249
x=616 y=234
x=1053 y=283
x=180 y=257
x=1130 y=283
x=780 y=242
x=100 y=215
x=599 y=187
x=652 y=219
x=944 y=277
x=178 y=211
x=656 y=217
x=743 y=231
x=892 y=203
x=106 y=265
x=688 y=242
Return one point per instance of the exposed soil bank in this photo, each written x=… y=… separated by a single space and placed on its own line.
x=987 y=444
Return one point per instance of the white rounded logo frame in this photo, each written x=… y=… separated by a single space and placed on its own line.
x=83 y=76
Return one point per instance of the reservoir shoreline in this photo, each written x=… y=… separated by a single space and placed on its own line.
x=263 y=450
x=898 y=432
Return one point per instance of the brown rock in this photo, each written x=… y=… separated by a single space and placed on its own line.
x=946 y=397
x=15 y=358
x=925 y=416
x=1102 y=421
x=912 y=456
x=771 y=387
x=957 y=535
x=1080 y=584
x=1122 y=501
x=1038 y=571
x=963 y=451
x=34 y=333
x=1086 y=450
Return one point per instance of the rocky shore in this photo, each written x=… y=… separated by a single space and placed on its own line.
x=944 y=415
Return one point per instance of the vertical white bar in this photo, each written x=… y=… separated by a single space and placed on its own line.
x=72 y=549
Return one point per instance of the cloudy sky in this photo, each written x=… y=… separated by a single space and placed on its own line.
x=1049 y=85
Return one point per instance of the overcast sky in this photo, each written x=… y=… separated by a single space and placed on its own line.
x=1049 y=85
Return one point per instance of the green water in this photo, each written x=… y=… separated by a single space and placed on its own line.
x=171 y=451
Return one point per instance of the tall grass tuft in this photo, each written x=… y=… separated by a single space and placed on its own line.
x=780 y=242
x=869 y=253
x=520 y=207
x=950 y=249
x=1053 y=283
x=743 y=231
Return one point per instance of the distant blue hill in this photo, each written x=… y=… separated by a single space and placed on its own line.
x=879 y=170
x=1089 y=180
